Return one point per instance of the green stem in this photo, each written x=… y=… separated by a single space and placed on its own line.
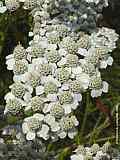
x=85 y=116
x=96 y=132
x=105 y=139
x=95 y=127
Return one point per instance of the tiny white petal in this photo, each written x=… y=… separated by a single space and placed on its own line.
x=3 y=9
x=47 y=108
x=62 y=62
x=110 y=61
x=65 y=86
x=67 y=108
x=82 y=52
x=27 y=96
x=52 y=97
x=49 y=119
x=9 y=96
x=39 y=116
x=55 y=127
x=10 y=56
x=21 y=0
x=74 y=105
x=72 y=134
x=77 y=157
x=96 y=93
x=78 y=97
x=103 y=64
x=43 y=132
x=62 y=135
x=10 y=64
x=31 y=34
x=25 y=128
x=36 y=38
x=77 y=70
x=105 y=87
x=30 y=136
x=39 y=90
x=62 y=52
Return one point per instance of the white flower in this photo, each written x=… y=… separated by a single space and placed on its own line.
x=98 y=92
x=68 y=125
x=31 y=124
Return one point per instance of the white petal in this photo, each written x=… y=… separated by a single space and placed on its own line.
x=49 y=119
x=82 y=52
x=77 y=70
x=65 y=86
x=77 y=157
x=21 y=0
x=30 y=136
x=72 y=134
x=67 y=108
x=62 y=62
x=5 y=111
x=25 y=127
x=62 y=52
x=36 y=38
x=44 y=43
x=29 y=88
x=47 y=107
x=76 y=122
x=84 y=80
x=10 y=56
x=96 y=93
x=43 y=132
x=17 y=78
x=62 y=135
x=110 y=61
x=27 y=96
x=31 y=34
x=55 y=127
x=105 y=87
x=78 y=97
x=103 y=64
x=39 y=90
x=29 y=49
x=10 y=64
x=52 y=97
x=52 y=46
x=74 y=105
x=31 y=68
x=39 y=116
x=9 y=96
x=3 y=9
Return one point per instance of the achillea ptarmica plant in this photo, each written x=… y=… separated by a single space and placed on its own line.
x=60 y=64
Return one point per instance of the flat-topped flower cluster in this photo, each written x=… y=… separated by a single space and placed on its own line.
x=51 y=75
x=95 y=152
x=77 y=14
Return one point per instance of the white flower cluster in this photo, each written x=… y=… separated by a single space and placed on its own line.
x=53 y=72
x=95 y=152
x=77 y=14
